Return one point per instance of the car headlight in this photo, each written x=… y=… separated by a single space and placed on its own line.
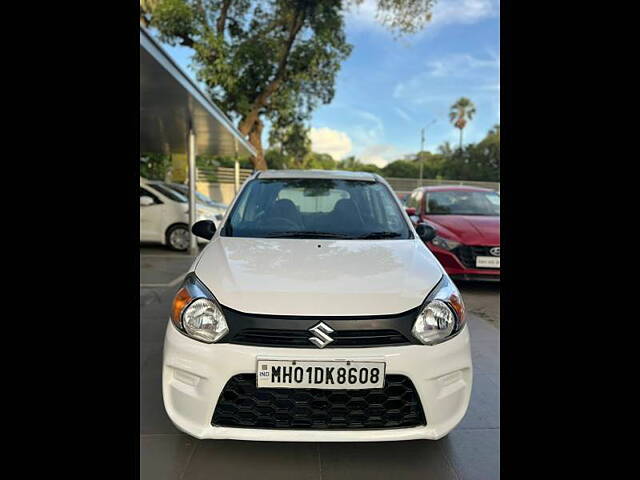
x=196 y=313
x=444 y=243
x=441 y=316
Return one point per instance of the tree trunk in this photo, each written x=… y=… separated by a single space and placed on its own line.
x=255 y=139
x=460 y=139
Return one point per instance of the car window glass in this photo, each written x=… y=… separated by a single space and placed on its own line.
x=463 y=202
x=146 y=193
x=169 y=193
x=344 y=208
x=318 y=203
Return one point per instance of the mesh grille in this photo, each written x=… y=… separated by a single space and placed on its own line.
x=242 y=404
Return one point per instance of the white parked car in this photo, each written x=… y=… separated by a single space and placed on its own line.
x=202 y=200
x=164 y=215
x=316 y=313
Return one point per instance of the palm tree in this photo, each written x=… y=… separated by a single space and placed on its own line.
x=461 y=112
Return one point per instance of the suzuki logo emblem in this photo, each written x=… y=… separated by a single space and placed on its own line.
x=321 y=339
x=495 y=251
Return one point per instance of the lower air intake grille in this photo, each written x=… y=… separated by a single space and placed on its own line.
x=242 y=404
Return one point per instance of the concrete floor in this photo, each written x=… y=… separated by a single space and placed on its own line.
x=470 y=451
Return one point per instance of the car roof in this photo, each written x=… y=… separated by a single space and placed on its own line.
x=328 y=174
x=464 y=188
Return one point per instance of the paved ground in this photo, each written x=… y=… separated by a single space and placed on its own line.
x=482 y=299
x=471 y=451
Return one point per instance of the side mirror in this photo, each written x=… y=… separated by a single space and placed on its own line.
x=145 y=201
x=426 y=232
x=411 y=211
x=204 y=229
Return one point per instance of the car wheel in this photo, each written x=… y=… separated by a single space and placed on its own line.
x=178 y=237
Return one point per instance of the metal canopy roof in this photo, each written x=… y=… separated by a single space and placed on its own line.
x=170 y=101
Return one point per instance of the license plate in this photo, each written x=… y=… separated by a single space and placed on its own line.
x=488 y=262
x=325 y=375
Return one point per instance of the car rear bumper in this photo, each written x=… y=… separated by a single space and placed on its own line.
x=194 y=374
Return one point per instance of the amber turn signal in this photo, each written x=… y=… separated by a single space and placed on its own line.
x=180 y=301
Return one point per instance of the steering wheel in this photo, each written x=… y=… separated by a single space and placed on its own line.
x=279 y=221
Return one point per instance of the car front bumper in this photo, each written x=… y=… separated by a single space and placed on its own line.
x=194 y=374
x=457 y=271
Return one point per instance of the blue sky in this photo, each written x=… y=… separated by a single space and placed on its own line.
x=388 y=89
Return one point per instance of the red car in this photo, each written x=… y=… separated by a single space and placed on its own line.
x=467 y=222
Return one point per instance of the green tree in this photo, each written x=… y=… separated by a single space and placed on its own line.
x=276 y=159
x=479 y=161
x=401 y=169
x=321 y=161
x=445 y=149
x=432 y=164
x=155 y=166
x=269 y=59
x=462 y=112
x=353 y=164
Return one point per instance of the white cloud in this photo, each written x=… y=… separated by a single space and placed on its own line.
x=402 y=114
x=335 y=143
x=462 y=65
x=464 y=11
x=365 y=127
x=445 y=12
x=480 y=76
x=379 y=155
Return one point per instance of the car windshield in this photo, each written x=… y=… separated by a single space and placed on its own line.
x=460 y=202
x=316 y=208
x=170 y=193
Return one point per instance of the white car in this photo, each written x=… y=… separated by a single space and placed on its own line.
x=164 y=215
x=202 y=200
x=316 y=313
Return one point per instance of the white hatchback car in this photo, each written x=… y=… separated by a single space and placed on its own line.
x=316 y=313
x=164 y=215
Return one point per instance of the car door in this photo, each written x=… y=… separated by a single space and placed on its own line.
x=151 y=221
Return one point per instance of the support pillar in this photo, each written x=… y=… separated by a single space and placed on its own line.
x=191 y=157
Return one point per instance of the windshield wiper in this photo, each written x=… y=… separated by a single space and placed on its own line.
x=373 y=235
x=306 y=234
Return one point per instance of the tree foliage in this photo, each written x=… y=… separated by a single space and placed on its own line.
x=155 y=166
x=270 y=60
x=355 y=165
x=479 y=161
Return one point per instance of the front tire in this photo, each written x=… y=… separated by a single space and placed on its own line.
x=177 y=237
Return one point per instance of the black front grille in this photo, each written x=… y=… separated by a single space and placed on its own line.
x=300 y=338
x=294 y=331
x=467 y=254
x=242 y=404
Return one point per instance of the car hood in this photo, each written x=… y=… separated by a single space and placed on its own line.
x=318 y=277
x=468 y=229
